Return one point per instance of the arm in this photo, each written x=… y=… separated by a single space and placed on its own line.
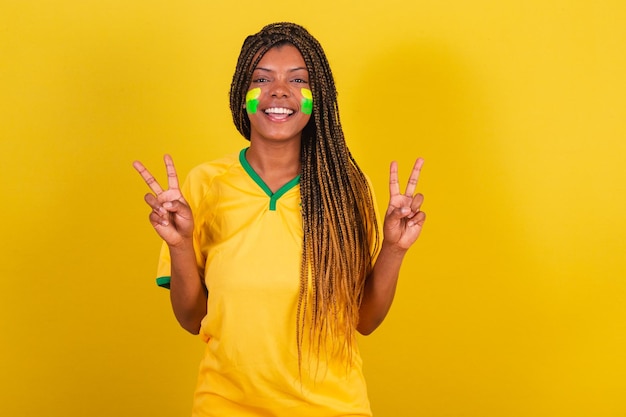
x=188 y=294
x=172 y=219
x=402 y=226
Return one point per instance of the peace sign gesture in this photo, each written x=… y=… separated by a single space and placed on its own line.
x=404 y=218
x=170 y=216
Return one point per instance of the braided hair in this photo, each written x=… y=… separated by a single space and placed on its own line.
x=339 y=221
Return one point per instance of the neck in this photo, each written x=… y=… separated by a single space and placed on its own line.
x=275 y=163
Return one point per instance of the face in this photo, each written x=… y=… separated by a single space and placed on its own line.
x=279 y=102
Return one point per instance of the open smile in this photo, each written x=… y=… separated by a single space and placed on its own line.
x=278 y=113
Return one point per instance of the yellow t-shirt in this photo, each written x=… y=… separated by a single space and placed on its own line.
x=248 y=244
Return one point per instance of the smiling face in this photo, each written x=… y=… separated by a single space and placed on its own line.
x=279 y=102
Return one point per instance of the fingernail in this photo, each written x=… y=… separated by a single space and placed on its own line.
x=167 y=204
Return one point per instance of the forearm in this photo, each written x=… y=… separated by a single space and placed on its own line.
x=380 y=288
x=187 y=292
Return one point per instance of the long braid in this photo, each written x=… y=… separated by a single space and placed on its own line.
x=338 y=213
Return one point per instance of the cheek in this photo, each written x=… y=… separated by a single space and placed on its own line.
x=307 y=101
x=252 y=100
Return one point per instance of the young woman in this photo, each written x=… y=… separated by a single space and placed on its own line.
x=274 y=255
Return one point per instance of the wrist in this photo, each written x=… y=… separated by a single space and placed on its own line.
x=392 y=249
x=183 y=245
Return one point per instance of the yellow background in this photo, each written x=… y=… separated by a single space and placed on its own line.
x=513 y=302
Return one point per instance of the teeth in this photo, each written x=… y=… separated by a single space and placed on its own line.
x=278 y=110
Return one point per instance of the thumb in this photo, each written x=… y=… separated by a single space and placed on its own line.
x=398 y=213
x=178 y=207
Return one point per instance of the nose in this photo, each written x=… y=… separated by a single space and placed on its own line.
x=280 y=89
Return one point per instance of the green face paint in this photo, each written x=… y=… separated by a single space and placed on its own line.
x=307 y=101
x=252 y=100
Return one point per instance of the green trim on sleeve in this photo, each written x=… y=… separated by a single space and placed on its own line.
x=164 y=282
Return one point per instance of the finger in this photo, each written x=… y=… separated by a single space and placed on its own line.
x=399 y=213
x=394 y=186
x=148 y=177
x=172 y=177
x=416 y=203
x=418 y=219
x=157 y=220
x=155 y=204
x=415 y=175
x=178 y=208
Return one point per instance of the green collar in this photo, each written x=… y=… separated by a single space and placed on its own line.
x=273 y=196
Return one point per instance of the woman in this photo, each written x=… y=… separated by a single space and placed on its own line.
x=273 y=255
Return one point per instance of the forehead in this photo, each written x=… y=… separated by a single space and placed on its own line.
x=282 y=56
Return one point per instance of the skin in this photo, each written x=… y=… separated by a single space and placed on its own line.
x=172 y=219
x=274 y=154
x=252 y=100
x=402 y=226
x=274 y=151
x=307 y=101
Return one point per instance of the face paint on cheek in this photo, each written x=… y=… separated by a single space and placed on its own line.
x=307 y=101
x=252 y=100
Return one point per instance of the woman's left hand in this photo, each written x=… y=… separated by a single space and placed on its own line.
x=404 y=218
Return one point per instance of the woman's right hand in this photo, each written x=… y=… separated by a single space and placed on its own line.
x=171 y=216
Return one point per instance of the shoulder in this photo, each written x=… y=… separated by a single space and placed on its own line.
x=202 y=177
x=210 y=169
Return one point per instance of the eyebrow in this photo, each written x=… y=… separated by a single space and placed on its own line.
x=291 y=70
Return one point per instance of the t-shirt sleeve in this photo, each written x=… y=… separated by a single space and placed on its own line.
x=164 y=271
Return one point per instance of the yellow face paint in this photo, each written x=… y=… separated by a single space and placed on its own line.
x=252 y=100
x=307 y=101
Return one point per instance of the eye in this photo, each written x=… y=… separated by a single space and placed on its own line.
x=300 y=81
x=260 y=80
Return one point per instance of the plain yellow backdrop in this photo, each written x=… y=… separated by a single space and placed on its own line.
x=512 y=303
